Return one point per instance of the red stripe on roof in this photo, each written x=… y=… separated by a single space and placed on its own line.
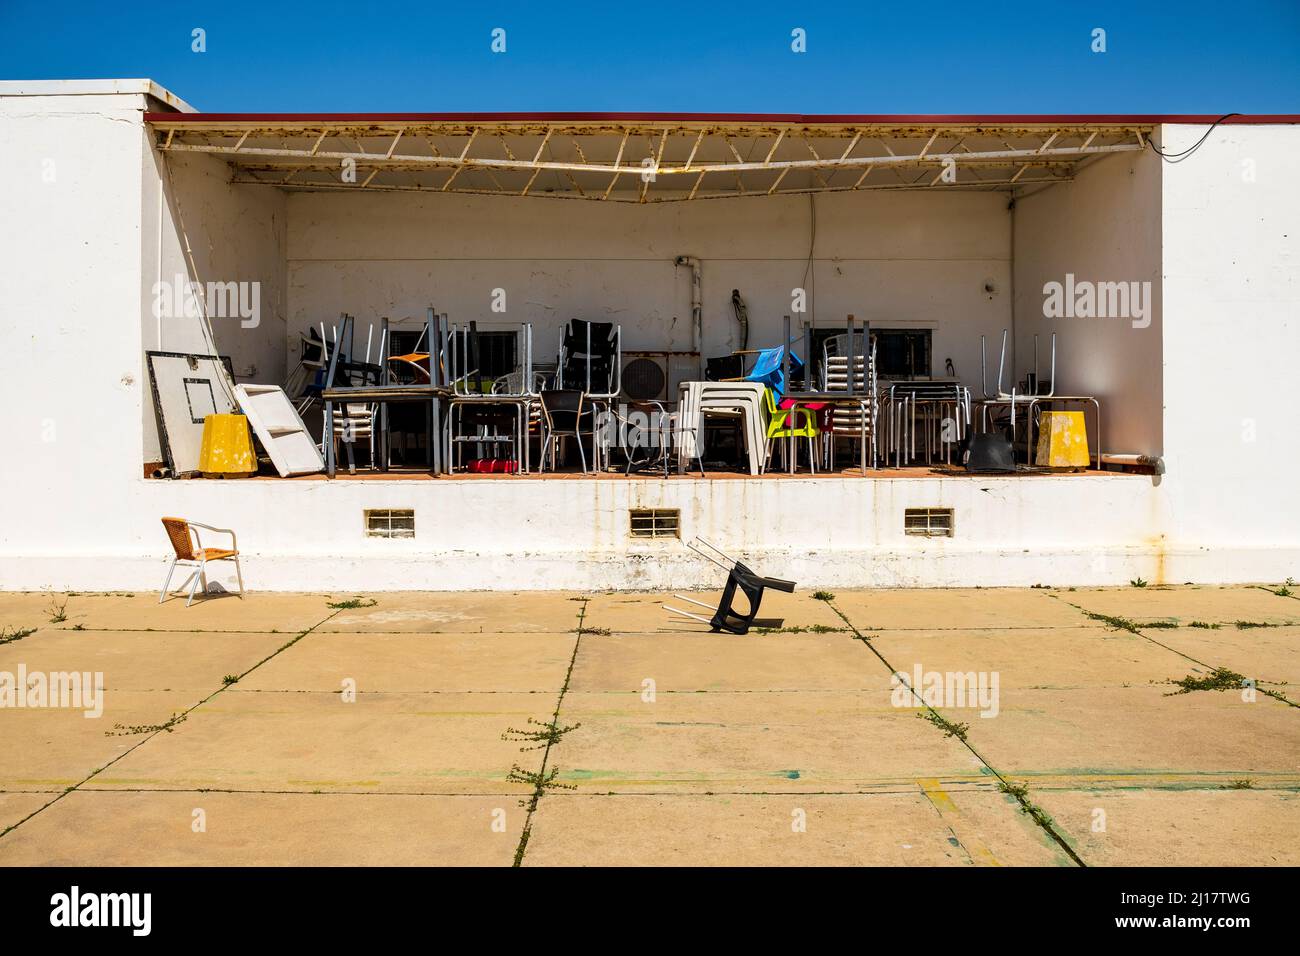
x=856 y=119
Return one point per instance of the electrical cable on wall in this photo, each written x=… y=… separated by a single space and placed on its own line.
x=810 y=276
x=227 y=383
x=742 y=317
x=1185 y=154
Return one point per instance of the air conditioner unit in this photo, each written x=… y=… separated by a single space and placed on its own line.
x=656 y=375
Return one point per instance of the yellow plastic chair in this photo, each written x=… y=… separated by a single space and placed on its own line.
x=790 y=423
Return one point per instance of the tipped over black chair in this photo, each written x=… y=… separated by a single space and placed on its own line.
x=739 y=578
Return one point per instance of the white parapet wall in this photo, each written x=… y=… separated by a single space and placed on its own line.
x=573 y=534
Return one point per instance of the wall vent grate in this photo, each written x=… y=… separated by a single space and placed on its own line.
x=390 y=523
x=928 y=522
x=655 y=523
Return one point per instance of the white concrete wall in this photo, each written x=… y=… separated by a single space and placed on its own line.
x=916 y=260
x=232 y=234
x=70 y=308
x=1105 y=226
x=1231 y=233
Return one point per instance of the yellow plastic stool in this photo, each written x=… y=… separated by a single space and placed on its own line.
x=1063 y=440
x=227 y=450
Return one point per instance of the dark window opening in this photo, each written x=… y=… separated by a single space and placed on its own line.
x=900 y=353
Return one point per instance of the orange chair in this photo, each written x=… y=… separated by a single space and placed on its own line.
x=189 y=550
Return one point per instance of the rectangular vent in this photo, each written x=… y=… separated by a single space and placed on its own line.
x=655 y=523
x=390 y=523
x=928 y=522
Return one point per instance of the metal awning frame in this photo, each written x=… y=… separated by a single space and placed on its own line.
x=645 y=162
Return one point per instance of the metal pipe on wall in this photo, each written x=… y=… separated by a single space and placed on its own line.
x=697 y=309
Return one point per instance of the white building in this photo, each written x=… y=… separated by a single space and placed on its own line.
x=950 y=226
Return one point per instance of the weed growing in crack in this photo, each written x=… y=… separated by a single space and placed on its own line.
x=1157 y=625
x=947 y=726
x=1240 y=785
x=1206 y=625
x=1277 y=695
x=352 y=604
x=1244 y=625
x=546 y=734
x=539 y=781
x=1137 y=583
x=1219 y=679
x=120 y=730
x=823 y=596
x=1118 y=623
x=58 y=610
x=8 y=636
x=1020 y=792
x=801 y=629
x=1017 y=790
x=598 y=631
x=230 y=679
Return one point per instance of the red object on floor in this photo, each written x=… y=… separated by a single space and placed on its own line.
x=492 y=466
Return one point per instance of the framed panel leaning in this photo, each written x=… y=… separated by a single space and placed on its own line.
x=186 y=389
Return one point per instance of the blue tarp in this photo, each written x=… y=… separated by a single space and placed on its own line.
x=767 y=369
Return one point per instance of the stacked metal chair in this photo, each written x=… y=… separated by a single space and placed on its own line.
x=855 y=421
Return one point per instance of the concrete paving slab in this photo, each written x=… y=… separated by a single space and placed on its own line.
x=883 y=829
x=423 y=663
x=1031 y=657
x=144 y=660
x=1269 y=653
x=105 y=828
x=1138 y=732
x=957 y=608
x=702 y=662
x=382 y=743
x=643 y=614
x=736 y=722
x=60 y=747
x=1179 y=827
x=814 y=741
x=258 y=611
x=14 y=806
x=1186 y=604
x=470 y=612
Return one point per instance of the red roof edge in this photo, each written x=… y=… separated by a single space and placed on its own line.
x=993 y=119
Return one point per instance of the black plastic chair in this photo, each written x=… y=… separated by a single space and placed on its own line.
x=588 y=347
x=739 y=578
x=726 y=617
x=565 y=414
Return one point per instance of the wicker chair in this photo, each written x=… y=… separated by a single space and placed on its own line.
x=190 y=551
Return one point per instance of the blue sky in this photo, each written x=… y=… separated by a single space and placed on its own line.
x=1012 y=57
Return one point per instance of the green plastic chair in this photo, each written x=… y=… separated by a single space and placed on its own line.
x=790 y=423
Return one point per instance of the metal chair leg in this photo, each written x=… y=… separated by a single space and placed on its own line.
x=239 y=575
x=193 y=586
x=162 y=595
